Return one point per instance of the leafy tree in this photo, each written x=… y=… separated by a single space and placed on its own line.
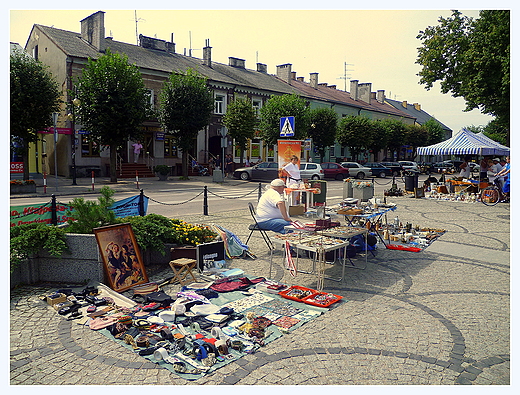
x=396 y=131
x=378 y=137
x=471 y=59
x=186 y=108
x=241 y=121
x=416 y=136
x=322 y=131
x=283 y=106
x=435 y=132
x=34 y=97
x=114 y=102
x=352 y=133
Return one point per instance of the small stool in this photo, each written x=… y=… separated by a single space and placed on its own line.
x=181 y=269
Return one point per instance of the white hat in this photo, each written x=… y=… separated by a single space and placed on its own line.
x=496 y=159
x=277 y=183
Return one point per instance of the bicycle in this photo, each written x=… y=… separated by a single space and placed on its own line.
x=493 y=195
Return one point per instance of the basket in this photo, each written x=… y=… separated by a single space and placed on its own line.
x=322 y=299
x=298 y=293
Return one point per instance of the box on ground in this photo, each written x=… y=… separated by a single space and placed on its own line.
x=296 y=210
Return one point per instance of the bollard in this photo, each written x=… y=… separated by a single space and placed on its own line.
x=205 y=202
x=137 y=179
x=44 y=182
x=259 y=190
x=92 y=179
x=141 y=204
x=54 y=214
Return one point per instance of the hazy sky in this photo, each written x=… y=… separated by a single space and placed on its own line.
x=378 y=46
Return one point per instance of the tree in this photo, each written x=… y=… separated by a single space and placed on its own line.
x=323 y=126
x=114 y=102
x=34 y=97
x=471 y=59
x=435 y=132
x=283 y=106
x=379 y=137
x=396 y=131
x=416 y=136
x=352 y=133
x=186 y=108
x=241 y=121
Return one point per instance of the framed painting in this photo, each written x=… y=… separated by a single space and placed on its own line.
x=121 y=256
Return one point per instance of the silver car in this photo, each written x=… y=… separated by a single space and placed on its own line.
x=356 y=170
x=268 y=171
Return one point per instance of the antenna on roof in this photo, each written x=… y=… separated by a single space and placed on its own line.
x=136 y=21
x=345 y=76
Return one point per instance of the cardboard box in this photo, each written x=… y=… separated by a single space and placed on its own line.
x=55 y=299
x=296 y=210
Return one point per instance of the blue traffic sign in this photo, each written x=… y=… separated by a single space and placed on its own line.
x=286 y=126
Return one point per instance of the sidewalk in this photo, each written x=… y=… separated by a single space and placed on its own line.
x=439 y=317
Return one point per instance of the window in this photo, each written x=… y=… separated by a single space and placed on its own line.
x=152 y=99
x=257 y=104
x=88 y=148
x=219 y=104
x=170 y=149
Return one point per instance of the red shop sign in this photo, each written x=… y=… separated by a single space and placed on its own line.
x=16 y=167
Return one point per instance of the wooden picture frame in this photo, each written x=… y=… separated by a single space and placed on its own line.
x=121 y=256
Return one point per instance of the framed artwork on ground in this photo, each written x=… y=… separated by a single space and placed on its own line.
x=121 y=256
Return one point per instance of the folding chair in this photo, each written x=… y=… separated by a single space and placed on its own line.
x=254 y=227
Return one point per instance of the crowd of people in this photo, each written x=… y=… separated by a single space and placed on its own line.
x=495 y=170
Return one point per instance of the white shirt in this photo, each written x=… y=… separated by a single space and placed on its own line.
x=294 y=174
x=268 y=206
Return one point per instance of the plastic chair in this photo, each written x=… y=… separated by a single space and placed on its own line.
x=255 y=228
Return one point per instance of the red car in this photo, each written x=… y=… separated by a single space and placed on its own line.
x=334 y=170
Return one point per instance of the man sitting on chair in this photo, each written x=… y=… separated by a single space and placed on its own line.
x=271 y=212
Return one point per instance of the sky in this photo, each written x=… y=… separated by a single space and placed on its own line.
x=377 y=46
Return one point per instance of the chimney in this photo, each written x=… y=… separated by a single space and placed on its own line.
x=354 y=89
x=417 y=106
x=261 y=68
x=332 y=86
x=364 y=90
x=93 y=30
x=300 y=79
x=293 y=75
x=157 y=44
x=381 y=96
x=373 y=96
x=283 y=72
x=170 y=46
x=313 y=80
x=323 y=84
x=235 y=62
x=206 y=54
x=404 y=104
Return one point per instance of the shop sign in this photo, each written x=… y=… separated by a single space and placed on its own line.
x=28 y=214
x=159 y=136
x=16 y=167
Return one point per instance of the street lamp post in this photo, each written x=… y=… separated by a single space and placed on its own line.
x=55 y=120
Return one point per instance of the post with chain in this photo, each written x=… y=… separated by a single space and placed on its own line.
x=259 y=190
x=54 y=214
x=141 y=204
x=205 y=203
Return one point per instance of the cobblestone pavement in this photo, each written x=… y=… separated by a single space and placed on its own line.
x=439 y=317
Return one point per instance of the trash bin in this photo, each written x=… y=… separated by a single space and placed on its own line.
x=322 y=196
x=347 y=189
x=411 y=180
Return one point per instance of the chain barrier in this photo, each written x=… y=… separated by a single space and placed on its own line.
x=237 y=197
x=175 y=204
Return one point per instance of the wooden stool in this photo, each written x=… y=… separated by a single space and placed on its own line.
x=181 y=269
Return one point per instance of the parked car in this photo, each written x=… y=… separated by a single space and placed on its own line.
x=408 y=165
x=395 y=167
x=475 y=168
x=311 y=171
x=334 y=170
x=378 y=170
x=425 y=167
x=268 y=171
x=356 y=170
x=443 y=167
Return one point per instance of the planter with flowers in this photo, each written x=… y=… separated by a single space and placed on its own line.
x=22 y=186
x=363 y=190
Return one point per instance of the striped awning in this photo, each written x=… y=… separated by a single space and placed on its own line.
x=464 y=142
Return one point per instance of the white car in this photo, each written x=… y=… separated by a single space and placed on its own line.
x=407 y=165
x=356 y=170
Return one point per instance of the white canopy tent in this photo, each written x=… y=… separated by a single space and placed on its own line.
x=465 y=142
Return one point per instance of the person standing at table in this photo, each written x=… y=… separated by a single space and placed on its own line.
x=465 y=170
x=484 y=166
x=292 y=171
x=506 y=173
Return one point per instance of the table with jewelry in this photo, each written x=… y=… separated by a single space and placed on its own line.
x=372 y=218
x=317 y=243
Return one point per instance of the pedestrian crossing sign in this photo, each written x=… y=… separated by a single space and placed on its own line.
x=286 y=126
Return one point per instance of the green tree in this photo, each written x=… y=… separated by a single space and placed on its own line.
x=416 y=136
x=283 y=106
x=471 y=59
x=186 y=108
x=352 y=133
x=114 y=102
x=241 y=121
x=435 y=132
x=323 y=126
x=34 y=97
x=396 y=131
x=379 y=137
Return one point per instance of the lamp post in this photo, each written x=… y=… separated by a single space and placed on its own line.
x=55 y=120
x=75 y=103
